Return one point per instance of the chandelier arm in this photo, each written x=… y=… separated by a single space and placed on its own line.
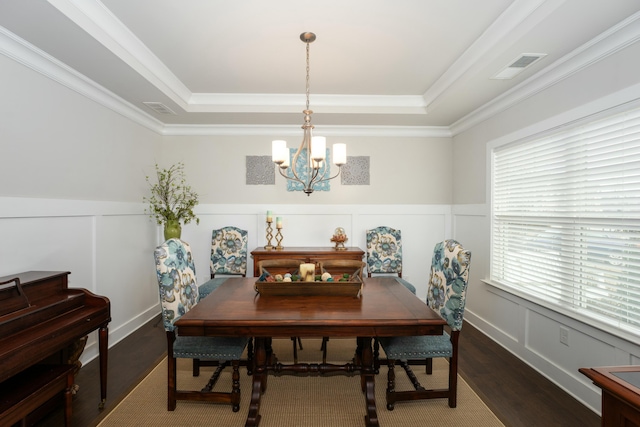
x=292 y=178
x=293 y=165
x=330 y=178
x=316 y=172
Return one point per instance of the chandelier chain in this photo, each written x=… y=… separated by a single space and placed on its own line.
x=308 y=68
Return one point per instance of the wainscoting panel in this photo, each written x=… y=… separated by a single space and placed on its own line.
x=108 y=246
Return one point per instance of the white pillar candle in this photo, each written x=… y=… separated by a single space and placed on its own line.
x=308 y=272
x=269 y=216
x=318 y=148
x=340 y=154
x=278 y=151
x=278 y=222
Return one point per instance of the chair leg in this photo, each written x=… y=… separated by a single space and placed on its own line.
x=196 y=367
x=235 y=389
x=453 y=382
x=429 y=366
x=300 y=343
x=323 y=347
x=391 y=385
x=250 y=357
x=295 y=349
x=453 y=370
x=171 y=383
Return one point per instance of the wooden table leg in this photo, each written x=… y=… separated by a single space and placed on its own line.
x=259 y=380
x=367 y=381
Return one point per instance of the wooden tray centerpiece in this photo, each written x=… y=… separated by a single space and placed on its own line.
x=325 y=284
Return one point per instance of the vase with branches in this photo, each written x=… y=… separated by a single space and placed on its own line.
x=172 y=200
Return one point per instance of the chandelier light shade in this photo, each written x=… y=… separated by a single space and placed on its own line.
x=307 y=166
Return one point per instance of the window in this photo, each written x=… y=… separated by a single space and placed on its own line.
x=566 y=220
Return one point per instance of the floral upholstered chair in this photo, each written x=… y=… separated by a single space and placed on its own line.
x=384 y=253
x=229 y=251
x=178 y=294
x=446 y=295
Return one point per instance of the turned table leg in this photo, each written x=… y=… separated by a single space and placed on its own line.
x=259 y=384
x=367 y=381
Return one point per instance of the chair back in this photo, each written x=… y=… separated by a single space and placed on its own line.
x=384 y=251
x=176 y=274
x=229 y=251
x=447 y=289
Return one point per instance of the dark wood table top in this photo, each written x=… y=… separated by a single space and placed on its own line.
x=385 y=308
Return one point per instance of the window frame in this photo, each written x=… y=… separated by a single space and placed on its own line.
x=585 y=316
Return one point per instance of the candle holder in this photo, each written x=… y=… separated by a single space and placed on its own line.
x=279 y=239
x=268 y=246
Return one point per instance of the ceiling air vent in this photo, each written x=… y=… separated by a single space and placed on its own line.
x=518 y=65
x=159 y=107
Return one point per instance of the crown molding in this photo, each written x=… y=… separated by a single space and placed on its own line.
x=291 y=103
x=30 y=56
x=39 y=61
x=609 y=42
x=510 y=21
x=267 y=130
x=98 y=21
x=95 y=19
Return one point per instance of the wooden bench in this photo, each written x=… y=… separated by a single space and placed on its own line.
x=25 y=392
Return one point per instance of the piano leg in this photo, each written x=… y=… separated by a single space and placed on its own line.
x=103 y=340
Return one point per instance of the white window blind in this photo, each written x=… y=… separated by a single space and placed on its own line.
x=566 y=220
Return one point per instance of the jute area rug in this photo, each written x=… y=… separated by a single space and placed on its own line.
x=295 y=401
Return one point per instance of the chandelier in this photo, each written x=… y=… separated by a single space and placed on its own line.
x=308 y=166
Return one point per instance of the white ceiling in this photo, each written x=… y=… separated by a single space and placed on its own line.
x=408 y=63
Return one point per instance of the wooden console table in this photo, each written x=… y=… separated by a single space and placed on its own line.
x=304 y=254
x=620 y=394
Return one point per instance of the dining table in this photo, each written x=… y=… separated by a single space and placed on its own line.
x=382 y=308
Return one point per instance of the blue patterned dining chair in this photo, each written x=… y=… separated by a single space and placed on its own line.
x=384 y=257
x=176 y=275
x=384 y=254
x=446 y=295
x=384 y=251
x=229 y=251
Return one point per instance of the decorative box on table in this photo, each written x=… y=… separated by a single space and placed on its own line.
x=347 y=289
x=343 y=284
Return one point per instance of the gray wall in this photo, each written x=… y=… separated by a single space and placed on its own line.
x=404 y=170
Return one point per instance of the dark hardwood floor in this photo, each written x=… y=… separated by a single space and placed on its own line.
x=511 y=389
x=515 y=392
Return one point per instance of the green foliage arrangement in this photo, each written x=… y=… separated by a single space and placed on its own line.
x=171 y=198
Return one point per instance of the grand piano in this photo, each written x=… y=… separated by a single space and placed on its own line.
x=41 y=318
